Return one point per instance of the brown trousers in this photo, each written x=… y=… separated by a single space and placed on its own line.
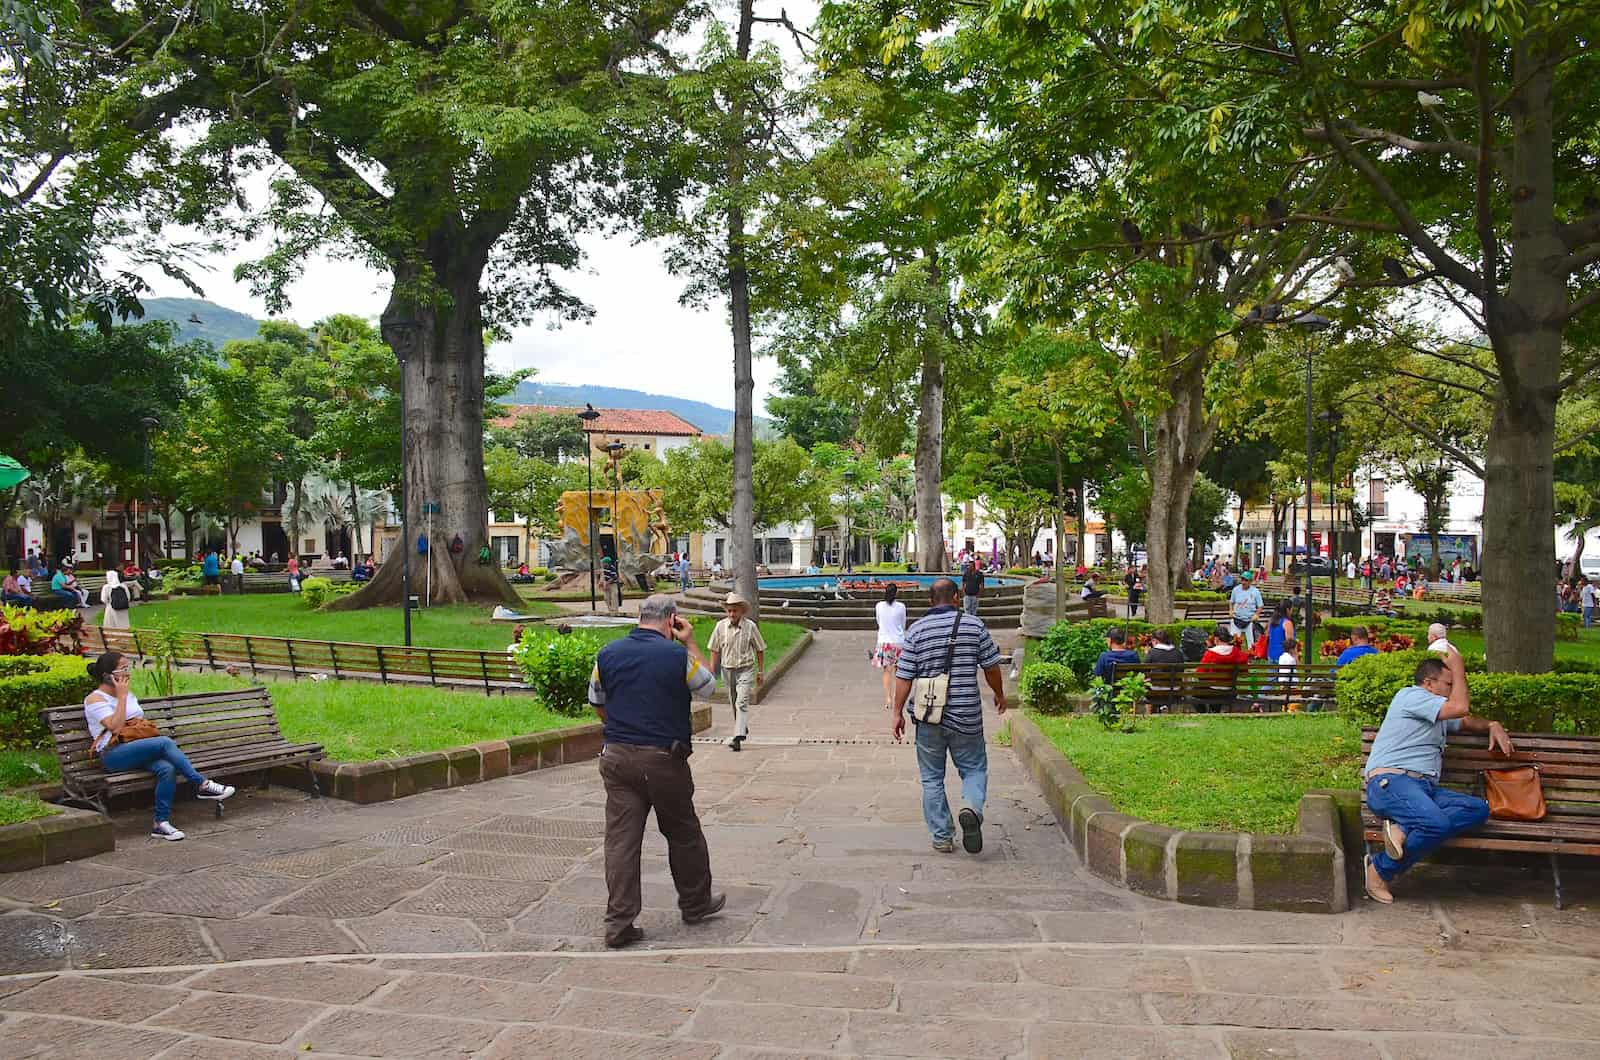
x=637 y=780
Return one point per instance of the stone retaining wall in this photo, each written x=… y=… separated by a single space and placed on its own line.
x=65 y=836
x=1304 y=872
x=779 y=668
x=395 y=778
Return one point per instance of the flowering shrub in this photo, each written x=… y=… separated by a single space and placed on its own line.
x=25 y=631
x=1385 y=643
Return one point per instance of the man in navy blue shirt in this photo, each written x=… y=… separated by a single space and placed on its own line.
x=1117 y=651
x=641 y=687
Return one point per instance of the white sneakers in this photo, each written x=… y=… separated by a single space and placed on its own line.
x=209 y=790
x=214 y=791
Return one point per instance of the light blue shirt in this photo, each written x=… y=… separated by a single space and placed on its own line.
x=1412 y=734
x=1246 y=602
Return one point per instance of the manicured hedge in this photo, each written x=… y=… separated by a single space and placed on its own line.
x=1077 y=645
x=1566 y=700
x=318 y=591
x=1049 y=688
x=31 y=683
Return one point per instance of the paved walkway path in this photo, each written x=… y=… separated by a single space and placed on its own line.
x=467 y=923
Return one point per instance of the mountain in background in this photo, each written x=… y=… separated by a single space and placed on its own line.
x=709 y=418
x=218 y=325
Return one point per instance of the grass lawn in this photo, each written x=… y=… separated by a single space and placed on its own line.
x=18 y=769
x=1211 y=773
x=460 y=626
x=15 y=809
x=286 y=615
x=363 y=720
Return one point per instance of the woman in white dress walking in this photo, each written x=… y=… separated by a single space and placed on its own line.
x=116 y=597
x=891 y=638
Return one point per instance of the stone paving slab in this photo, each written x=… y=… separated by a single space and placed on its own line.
x=845 y=933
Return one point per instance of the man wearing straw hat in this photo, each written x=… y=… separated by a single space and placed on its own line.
x=737 y=648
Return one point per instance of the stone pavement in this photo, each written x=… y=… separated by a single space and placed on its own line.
x=467 y=922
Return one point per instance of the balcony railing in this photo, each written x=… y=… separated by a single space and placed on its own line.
x=1378 y=509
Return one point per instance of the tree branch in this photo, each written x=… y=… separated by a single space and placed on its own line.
x=1588 y=301
x=39 y=179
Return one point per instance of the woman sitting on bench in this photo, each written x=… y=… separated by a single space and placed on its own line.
x=108 y=710
x=17 y=590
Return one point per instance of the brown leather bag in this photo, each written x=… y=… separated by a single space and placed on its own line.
x=137 y=728
x=1514 y=794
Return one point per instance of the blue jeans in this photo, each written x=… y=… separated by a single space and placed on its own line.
x=969 y=604
x=158 y=755
x=1588 y=617
x=1426 y=812
x=971 y=757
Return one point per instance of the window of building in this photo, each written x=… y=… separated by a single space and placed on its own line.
x=966 y=516
x=1377 y=502
x=780 y=552
x=505 y=550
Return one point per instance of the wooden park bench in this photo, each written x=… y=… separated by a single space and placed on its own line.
x=1359 y=600
x=312 y=658
x=1207 y=610
x=1454 y=592
x=1259 y=688
x=221 y=733
x=1569 y=771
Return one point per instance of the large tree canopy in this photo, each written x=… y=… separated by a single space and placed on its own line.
x=459 y=146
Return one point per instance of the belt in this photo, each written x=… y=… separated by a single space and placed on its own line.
x=1383 y=771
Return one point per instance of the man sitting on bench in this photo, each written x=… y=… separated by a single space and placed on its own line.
x=1403 y=768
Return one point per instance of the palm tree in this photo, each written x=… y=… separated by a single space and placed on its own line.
x=330 y=508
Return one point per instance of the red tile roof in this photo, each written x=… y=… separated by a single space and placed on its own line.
x=615 y=421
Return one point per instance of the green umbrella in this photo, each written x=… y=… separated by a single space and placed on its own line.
x=11 y=472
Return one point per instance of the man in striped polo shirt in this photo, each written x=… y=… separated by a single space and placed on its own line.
x=960 y=733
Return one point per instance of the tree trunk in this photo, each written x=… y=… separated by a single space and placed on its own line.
x=1083 y=518
x=13 y=497
x=1526 y=326
x=742 y=531
x=355 y=523
x=444 y=446
x=1519 y=511
x=929 y=456
x=1182 y=435
x=295 y=517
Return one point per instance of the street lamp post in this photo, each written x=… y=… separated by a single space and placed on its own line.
x=615 y=451
x=1332 y=419
x=588 y=416
x=401 y=333
x=149 y=423
x=844 y=559
x=1309 y=324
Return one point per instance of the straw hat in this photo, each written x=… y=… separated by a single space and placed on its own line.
x=735 y=600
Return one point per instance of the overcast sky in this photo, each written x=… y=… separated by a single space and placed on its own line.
x=639 y=336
